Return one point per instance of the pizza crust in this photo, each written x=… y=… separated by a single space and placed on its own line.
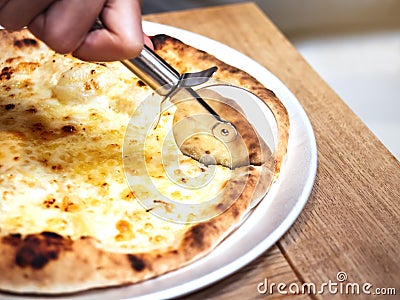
x=33 y=263
x=48 y=263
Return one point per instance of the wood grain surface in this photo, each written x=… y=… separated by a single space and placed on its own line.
x=351 y=222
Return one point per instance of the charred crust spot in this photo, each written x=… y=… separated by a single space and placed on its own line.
x=49 y=202
x=235 y=211
x=32 y=110
x=36 y=250
x=9 y=106
x=221 y=206
x=270 y=93
x=57 y=167
x=6 y=73
x=16 y=235
x=159 y=40
x=69 y=129
x=253 y=157
x=27 y=42
x=207 y=152
x=50 y=234
x=137 y=263
x=196 y=236
x=13 y=239
x=28 y=256
x=140 y=83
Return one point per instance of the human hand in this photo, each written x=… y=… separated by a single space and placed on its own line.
x=64 y=25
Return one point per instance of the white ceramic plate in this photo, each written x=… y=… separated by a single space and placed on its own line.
x=268 y=221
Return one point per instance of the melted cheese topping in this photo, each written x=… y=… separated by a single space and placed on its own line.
x=62 y=128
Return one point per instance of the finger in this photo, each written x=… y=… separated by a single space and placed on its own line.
x=122 y=37
x=148 y=42
x=15 y=14
x=65 y=24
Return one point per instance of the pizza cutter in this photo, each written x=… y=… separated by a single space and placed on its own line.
x=174 y=87
x=206 y=108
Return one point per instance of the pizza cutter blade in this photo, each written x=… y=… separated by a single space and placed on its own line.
x=252 y=143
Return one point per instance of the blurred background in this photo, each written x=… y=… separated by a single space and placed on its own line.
x=353 y=44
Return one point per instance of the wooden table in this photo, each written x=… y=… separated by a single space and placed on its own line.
x=351 y=222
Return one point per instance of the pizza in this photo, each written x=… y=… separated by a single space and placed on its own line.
x=71 y=191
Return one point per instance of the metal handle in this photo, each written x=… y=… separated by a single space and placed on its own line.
x=149 y=67
x=153 y=70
